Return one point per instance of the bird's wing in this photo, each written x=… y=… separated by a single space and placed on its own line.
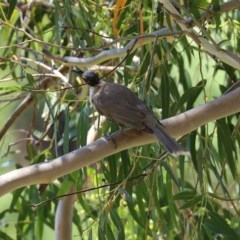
x=121 y=105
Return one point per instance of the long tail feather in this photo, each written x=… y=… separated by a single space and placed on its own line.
x=172 y=146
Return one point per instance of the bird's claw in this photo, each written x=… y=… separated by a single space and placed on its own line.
x=109 y=137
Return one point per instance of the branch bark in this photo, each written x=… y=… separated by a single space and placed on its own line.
x=176 y=126
x=63 y=217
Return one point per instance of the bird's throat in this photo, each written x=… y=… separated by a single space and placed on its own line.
x=94 y=90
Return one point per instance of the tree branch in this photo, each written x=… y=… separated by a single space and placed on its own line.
x=205 y=40
x=45 y=83
x=63 y=217
x=187 y=28
x=176 y=126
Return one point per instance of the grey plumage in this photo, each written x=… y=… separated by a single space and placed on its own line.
x=119 y=104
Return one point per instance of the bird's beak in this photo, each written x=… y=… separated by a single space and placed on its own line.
x=79 y=73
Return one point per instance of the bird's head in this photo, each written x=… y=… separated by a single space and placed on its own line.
x=89 y=77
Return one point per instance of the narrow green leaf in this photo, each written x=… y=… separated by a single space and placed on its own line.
x=118 y=224
x=225 y=145
x=216 y=5
x=190 y=95
x=170 y=173
x=5 y=236
x=83 y=125
x=171 y=206
x=192 y=202
x=145 y=63
x=218 y=226
x=184 y=195
x=135 y=215
x=11 y=88
x=90 y=234
x=66 y=134
x=125 y=167
x=222 y=198
x=16 y=197
x=165 y=94
x=30 y=79
x=12 y=4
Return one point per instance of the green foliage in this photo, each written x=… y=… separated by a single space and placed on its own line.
x=133 y=194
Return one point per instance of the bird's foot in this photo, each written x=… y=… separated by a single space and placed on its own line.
x=109 y=137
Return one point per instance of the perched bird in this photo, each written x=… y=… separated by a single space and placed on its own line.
x=117 y=103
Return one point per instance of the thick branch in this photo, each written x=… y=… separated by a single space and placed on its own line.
x=176 y=126
x=63 y=217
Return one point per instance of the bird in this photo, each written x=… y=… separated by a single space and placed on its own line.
x=120 y=105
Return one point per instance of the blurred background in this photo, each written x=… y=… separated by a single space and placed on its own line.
x=45 y=113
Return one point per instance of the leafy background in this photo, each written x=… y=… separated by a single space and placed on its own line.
x=132 y=194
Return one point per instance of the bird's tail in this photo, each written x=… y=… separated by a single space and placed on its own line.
x=172 y=146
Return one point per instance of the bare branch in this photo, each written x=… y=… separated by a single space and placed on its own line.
x=11 y=119
x=56 y=72
x=187 y=28
x=205 y=41
x=28 y=100
x=176 y=126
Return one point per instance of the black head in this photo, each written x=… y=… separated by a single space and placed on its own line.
x=91 y=78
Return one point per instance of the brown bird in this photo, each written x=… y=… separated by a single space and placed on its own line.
x=117 y=103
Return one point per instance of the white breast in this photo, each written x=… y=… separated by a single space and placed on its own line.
x=91 y=93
